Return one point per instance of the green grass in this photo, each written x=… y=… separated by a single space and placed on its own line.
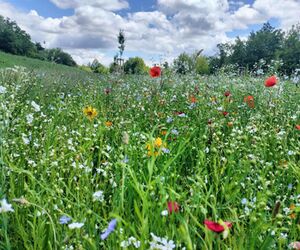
x=56 y=159
x=9 y=60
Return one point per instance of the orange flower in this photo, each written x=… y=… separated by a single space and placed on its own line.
x=108 y=124
x=163 y=132
x=250 y=101
x=192 y=99
x=293 y=216
x=230 y=124
x=297 y=127
x=271 y=81
x=292 y=206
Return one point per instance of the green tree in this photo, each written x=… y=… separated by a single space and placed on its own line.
x=238 y=55
x=97 y=67
x=202 y=66
x=135 y=65
x=58 y=56
x=263 y=44
x=290 y=52
x=14 y=40
x=183 y=64
x=121 y=40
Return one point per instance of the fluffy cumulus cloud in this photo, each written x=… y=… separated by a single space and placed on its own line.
x=172 y=27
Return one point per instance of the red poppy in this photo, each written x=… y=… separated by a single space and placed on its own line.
x=297 y=127
x=225 y=113
x=248 y=98
x=227 y=93
x=216 y=227
x=271 y=81
x=173 y=206
x=155 y=71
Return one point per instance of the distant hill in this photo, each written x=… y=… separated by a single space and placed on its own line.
x=50 y=72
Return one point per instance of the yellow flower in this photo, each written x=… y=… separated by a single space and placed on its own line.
x=158 y=142
x=108 y=124
x=90 y=112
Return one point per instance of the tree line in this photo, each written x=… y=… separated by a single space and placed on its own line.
x=16 y=41
x=266 y=50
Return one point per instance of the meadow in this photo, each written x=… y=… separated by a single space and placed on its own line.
x=124 y=162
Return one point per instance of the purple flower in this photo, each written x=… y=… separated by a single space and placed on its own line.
x=111 y=227
x=165 y=150
x=64 y=219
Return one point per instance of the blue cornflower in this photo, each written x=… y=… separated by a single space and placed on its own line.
x=174 y=132
x=244 y=201
x=64 y=219
x=111 y=227
x=169 y=119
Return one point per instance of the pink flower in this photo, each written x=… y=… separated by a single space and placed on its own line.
x=216 y=227
x=173 y=206
x=295 y=245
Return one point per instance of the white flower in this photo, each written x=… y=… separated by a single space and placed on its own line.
x=35 y=106
x=161 y=243
x=98 y=196
x=5 y=207
x=124 y=244
x=283 y=236
x=2 y=90
x=75 y=225
x=25 y=139
x=164 y=213
x=29 y=118
x=136 y=243
x=125 y=137
x=182 y=115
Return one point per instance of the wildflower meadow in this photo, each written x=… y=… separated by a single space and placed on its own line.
x=158 y=161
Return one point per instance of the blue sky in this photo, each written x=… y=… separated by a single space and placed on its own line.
x=154 y=29
x=43 y=7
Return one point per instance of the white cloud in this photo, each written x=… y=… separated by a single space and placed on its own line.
x=286 y=11
x=101 y=4
x=174 y=26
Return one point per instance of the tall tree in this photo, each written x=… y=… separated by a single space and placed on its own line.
x=290 y=52
x=121 y=40
x=263 y=44
x=238 y=55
